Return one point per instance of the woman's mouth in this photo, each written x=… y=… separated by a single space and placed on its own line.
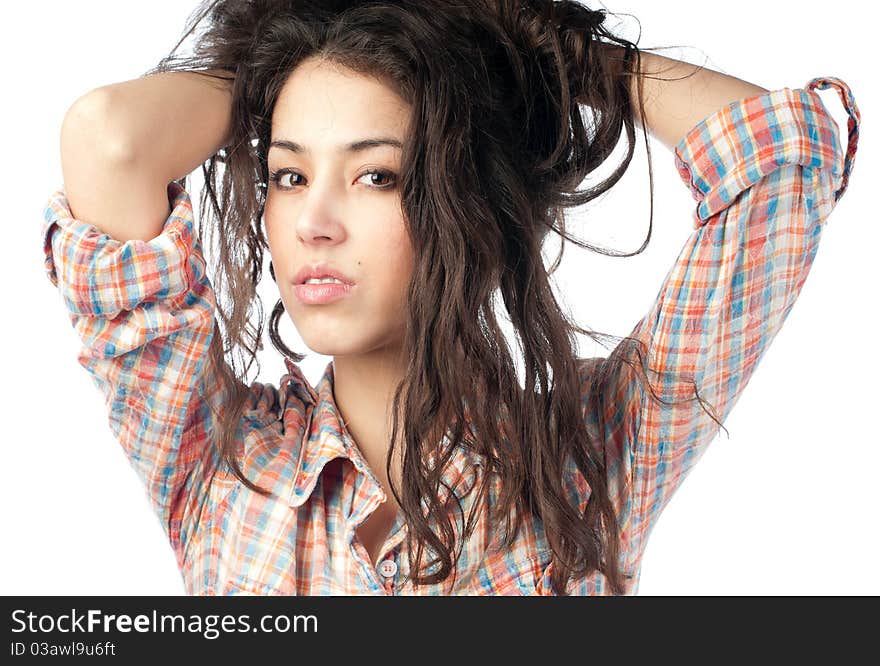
x=314 y=293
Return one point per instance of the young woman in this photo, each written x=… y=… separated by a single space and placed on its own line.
x=403 y=163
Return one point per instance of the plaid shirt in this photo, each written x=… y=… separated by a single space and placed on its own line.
x=765 y=171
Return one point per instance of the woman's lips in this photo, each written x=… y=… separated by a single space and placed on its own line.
x=321 y=294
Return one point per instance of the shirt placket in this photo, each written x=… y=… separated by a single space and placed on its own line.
x=385 y=574
x=389 y=567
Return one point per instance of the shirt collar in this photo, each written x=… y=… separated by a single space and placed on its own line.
x=325 y=437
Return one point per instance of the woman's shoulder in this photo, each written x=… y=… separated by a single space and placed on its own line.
x=263 y=400
x=275 y=423
x=290 y=402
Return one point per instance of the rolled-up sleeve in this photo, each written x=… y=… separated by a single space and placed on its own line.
x=144 y=315
x=765 y=172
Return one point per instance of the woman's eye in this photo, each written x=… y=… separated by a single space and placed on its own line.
x=277 y=176
x=383 y=174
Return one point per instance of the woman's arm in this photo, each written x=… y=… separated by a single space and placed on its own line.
x=121 y=144
x=178 y=119
x=674 y=107
x=766 y=173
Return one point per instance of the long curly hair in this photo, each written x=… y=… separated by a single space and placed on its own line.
x=497 y=89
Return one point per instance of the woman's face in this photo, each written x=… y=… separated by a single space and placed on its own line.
x=329 y=207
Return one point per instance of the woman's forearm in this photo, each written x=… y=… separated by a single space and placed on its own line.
x=173 y=121
x=672 y=108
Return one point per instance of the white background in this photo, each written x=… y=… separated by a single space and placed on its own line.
x=787 y=505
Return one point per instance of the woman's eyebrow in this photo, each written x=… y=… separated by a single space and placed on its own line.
x=354 y=147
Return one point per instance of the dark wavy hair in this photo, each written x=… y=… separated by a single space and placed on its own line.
x=496 y=89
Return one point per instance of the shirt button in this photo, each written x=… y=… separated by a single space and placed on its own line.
x=388 y=568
